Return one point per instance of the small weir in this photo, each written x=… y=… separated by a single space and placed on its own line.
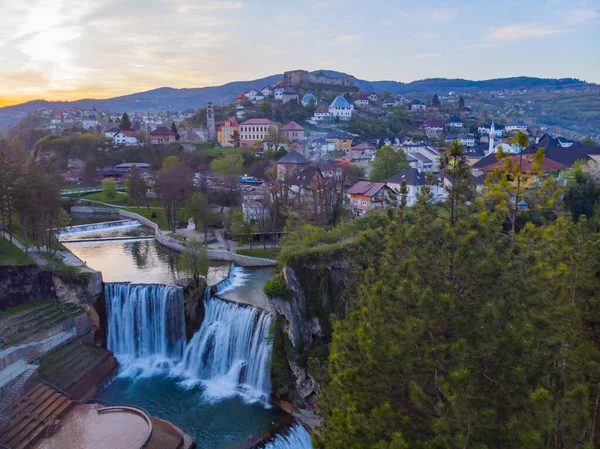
x=100 y=226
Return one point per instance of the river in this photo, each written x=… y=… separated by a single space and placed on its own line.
x=181 y=388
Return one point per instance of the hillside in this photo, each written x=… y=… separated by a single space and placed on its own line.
x=179 y=99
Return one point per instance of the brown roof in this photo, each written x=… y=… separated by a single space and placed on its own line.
x=162 y=131
x=366 y=188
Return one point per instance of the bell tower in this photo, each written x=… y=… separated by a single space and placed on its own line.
x=210 y=122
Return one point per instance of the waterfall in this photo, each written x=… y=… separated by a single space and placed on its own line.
x=146 y=325
x=100 y=226
x=236 y=277
x=296 y=438
x=230 y=352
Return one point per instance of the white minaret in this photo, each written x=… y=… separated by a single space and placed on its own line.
x=491 y=138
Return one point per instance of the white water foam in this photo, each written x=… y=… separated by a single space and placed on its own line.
x=237 y=277
x=146 y=326
x=296 y=438
x=94 y=227
x=230 y=354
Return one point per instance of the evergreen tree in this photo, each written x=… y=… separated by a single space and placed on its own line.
x=125 y=123
x=435 y=101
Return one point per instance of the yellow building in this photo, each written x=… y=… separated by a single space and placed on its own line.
x=225 y=132
x=342 y=141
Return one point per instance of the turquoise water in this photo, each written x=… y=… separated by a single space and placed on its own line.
x=213 y=424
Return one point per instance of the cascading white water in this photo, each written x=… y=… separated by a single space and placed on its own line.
x=296 y=438
x=230 y=352
x=236 y=277
x=100 y=226
x=146 y=325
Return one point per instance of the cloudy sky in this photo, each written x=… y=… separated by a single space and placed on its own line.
x=65 y=49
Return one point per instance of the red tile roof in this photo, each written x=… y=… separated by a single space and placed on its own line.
x=232 y=122
x=527 y=165
x=293 y=126
x=129 y=133
x=257 y=121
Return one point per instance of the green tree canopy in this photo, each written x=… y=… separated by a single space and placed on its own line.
x=109 y=187
x=387 y=163
x=194 y=260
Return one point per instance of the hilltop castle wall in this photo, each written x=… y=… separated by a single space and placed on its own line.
x=297 y=77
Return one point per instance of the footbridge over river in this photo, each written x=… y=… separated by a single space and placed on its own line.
x=76 y=193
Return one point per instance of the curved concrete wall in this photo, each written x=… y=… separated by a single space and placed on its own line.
x=176 y=245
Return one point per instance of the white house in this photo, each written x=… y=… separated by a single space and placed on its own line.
x=278 y=93
x=455 y=122
x=125 y=138
x=516 y=126
x=267 y=91
x=251 y=94
x=465 y=139
x=417 y=106
x=308 y=99
x=259 y=96
x=321 y=114
x=87 y=124
x=110 y=133
x=415 y=180
x=340 y=107
x=484 y=130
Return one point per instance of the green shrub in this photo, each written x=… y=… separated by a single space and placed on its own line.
x=276 y=286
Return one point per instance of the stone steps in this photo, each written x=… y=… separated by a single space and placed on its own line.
x=30 y=415
x=51 y=317
x=68 y=365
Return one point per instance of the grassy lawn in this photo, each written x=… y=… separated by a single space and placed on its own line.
x=122 y=199
x=11 y=255
x=21 y=308
x=268 y=253
x=160 y=217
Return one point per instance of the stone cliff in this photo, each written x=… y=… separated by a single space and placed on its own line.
x=323 y=274
x=20 y=284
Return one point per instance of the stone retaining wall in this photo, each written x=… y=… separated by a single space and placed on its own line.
x=94 y=210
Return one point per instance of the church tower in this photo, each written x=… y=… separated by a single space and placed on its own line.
x=491 y=136
x=210 y=122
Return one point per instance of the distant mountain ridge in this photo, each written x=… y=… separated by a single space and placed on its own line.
x=171 y=98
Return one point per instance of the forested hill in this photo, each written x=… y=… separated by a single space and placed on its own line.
x=462 y=85
x=179 y=99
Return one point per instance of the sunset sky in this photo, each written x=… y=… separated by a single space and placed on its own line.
x=66 y=50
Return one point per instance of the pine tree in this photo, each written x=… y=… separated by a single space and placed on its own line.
x=125 y=123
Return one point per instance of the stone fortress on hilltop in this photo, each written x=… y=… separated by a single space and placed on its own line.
x=298 y=77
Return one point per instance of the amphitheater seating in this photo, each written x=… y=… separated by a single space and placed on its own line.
x=29 y=415
x=41 y=317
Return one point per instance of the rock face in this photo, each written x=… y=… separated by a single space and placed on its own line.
x=20 y=284
x=315 y=295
